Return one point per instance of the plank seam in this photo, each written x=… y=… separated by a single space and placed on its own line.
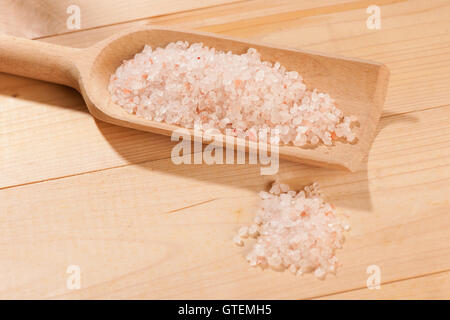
x=159 y=159
x=382 y=283
x=137 y=20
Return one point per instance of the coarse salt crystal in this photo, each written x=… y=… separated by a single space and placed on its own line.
x=320 y=273
x=243 y=232
x=284 y=187
x=295 y=231
x=238 y=240
x=253 y=230
x=194 y=86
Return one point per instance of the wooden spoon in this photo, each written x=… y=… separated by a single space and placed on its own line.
x=358 y=86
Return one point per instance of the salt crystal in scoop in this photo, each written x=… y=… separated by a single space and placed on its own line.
x=188 y=85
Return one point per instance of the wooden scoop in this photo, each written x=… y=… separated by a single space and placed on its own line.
x=358 y=86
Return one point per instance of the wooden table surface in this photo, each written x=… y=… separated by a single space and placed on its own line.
x=75 y=191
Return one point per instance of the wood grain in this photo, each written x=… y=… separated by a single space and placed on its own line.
x=429 y=287
x=89 y=71
x=418 y=77
x=144 y=213
x=77 y=191
x=32 y=19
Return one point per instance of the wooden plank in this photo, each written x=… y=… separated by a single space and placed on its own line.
x=65 y=141
x=155 y=230
x=136 y=232
x=31 y=19
x=45 y=136
x=418 y=76
x=428 y=287
x=77 y=156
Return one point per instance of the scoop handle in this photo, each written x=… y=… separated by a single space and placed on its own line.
x=38 y=60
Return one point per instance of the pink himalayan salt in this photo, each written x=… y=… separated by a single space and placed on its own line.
x=196 y=86
x=295 y=231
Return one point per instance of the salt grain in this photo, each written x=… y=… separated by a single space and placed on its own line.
x=238 y=240
x=243 y=232
x=295 y=231
x=253 y=230
x=284 y=187
x=196 y=86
